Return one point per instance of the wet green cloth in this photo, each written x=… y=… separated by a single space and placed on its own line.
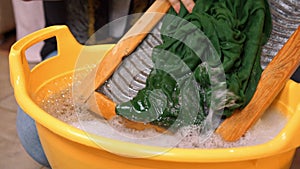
x=179 y=89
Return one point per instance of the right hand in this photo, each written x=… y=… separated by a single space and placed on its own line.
x=189 y=4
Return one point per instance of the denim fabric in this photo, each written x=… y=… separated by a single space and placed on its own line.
x=29 y=138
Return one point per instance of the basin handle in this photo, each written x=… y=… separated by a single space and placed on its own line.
x=20 y=65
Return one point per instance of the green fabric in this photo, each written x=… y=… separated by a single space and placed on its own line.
x=179 y=88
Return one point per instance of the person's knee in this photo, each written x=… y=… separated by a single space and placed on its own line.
x=29 y=138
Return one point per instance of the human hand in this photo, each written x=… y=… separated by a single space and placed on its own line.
x=189 y=4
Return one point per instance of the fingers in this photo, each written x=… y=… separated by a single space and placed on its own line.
x=175 y=4
x=189 y=4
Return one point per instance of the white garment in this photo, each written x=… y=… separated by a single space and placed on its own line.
x=29 y=17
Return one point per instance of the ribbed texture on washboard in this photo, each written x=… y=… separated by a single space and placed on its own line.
x=286 y=19
x=131 y=75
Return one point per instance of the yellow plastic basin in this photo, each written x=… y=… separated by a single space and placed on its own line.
x=67 y=147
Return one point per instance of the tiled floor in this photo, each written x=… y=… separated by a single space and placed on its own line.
x=12 y=154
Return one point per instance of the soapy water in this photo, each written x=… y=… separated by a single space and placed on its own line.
x=60 y=104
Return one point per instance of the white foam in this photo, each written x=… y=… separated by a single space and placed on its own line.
x=61 y=106
x=264 y=130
